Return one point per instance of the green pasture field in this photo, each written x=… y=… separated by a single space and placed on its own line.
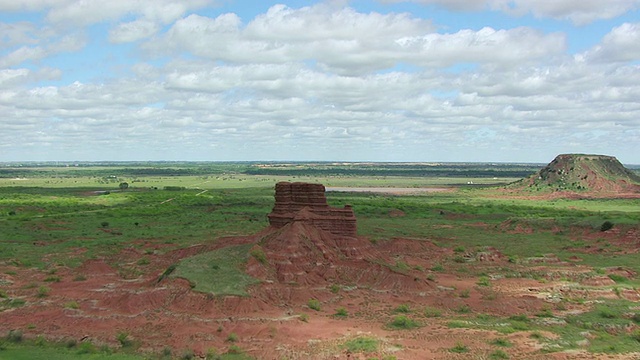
x=48 y=214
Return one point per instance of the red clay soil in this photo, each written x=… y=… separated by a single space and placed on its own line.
x=267 y=323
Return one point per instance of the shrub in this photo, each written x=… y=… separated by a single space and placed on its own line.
x=402 y=308
x=235 y=349
x=71 y=305
x=459 y=348
x=232 y=337
x=402 y=322
x=187 y=355
x=87 y=348
x=437 y=268
x=43 y=291
x=314 y=304
x=501 y=342
x=483 y=281
x=14 y=336
x=432 y=312
x=341 y=313
x=123 y=339
x=166 y=352
x=499 y=354
x=304 y=317
x=104 y=224
x=607 y=225
x=361 y=344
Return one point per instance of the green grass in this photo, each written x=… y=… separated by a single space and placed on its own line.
x=362 y=344
x=403 y=322
x=218 y=272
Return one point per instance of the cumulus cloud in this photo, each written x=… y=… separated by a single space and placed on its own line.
x=621 y=44
x=348 y=42
x=580 y=12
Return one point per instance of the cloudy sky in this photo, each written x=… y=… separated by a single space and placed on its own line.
x=385 y=80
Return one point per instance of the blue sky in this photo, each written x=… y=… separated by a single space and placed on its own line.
x=423 y=80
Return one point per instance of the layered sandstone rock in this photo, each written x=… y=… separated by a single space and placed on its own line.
x=306 y=203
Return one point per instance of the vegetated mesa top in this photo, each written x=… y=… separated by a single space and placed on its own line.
x=306 y=202
x=585 y=173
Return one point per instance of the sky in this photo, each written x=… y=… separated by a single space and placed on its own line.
x=362 y=80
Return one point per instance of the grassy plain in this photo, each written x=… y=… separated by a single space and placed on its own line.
x=56 y=216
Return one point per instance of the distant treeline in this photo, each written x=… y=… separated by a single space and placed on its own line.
x=433 y=172
x=285 y=169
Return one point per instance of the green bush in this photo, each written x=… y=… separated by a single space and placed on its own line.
x=341 y=313
x=361 y=344
x=123 y=338
x=402 y=308
x=459 y=348
x=432 y=312
x=607 y=225
x=499 y=354
x=14 y=336
x=233 y=337
x=402 y=322
x=314 y=304
x=43 y=291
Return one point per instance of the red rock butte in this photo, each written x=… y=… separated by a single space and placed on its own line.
x=306 y=203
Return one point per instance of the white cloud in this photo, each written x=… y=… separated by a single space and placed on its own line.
x=133 y=31
x=349 y=43
x=621 y=44
x=579 y=12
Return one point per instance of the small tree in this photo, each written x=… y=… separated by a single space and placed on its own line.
x=123 y=186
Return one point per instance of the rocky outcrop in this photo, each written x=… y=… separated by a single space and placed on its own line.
x=306 y=203
x=583 y=174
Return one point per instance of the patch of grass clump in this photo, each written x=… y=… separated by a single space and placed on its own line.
x=71 y=305
x=432 y=312
x=314 y=304
x=361 y=345
x=123 y=339
x=43 y=291
x=501 y=342
x=341 y=313
x=459 y=348
x=483 y=281
x=403 y=322
x=232 y=337
x=499 y=354
x=402 y=308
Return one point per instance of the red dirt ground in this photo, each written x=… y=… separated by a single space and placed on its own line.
x=267 y=323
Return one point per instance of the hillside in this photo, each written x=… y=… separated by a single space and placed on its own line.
x=582 y=173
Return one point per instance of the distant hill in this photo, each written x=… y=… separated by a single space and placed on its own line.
x=582 y=173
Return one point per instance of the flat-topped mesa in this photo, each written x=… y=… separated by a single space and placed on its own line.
x=305 y=202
